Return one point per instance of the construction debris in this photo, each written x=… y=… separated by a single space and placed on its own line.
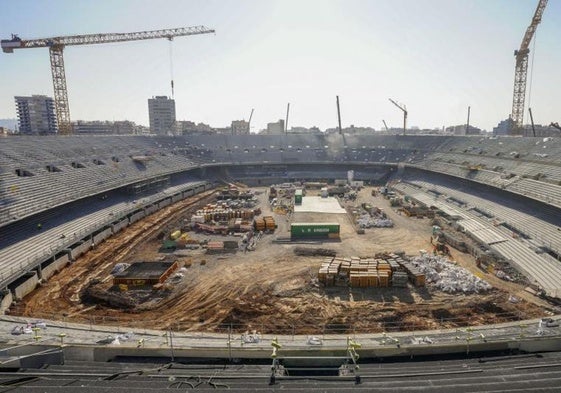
x=444 y=275
x=365 y=221
x=312 y=252
x=372 y=217
x=266 y=223
x=358 y=272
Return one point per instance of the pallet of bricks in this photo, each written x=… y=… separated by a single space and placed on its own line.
x=263 y=224
x=362 y=273
x=414 y=274
x=399 y=277
x=328 y=271
x=369 y=272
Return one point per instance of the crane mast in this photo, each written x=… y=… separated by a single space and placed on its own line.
x=404 y=109
x=521 y=69
x=56 y=47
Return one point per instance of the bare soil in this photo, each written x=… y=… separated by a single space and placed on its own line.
x=271 y=289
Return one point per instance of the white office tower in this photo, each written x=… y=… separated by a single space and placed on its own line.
x=161 y=112
x=36 y=115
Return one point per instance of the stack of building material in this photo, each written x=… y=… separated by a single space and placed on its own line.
x=394 y=264
x=270 y=224
x=230 y=244
x=383 y=278
x=345 y=265
x=371 y=272
x=259 y=224
x=197 y=218
x=399 y=279
x=313 y=251
x=215 y=247
x=266 y=223
x=368 y=272
x=416 y=276
x=209 y=228
x=222 y=212
x=239 y=225
x=384 y=266
x=329 y=270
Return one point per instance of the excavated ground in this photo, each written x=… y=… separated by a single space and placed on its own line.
x=270 y=289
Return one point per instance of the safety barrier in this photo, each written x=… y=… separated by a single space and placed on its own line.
x=49 y=270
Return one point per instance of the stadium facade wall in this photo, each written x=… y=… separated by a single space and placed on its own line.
x=101 y=236
x=26 y=286
x=150 y=209
x=120 y=225
x=83 y=247
x=164 y=203
x=6 y=302
x=55 y=266
x=137 y=216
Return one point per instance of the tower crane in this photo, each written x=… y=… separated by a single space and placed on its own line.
x=521 y=69
x=404 y=109
x=56 y=47
x=249 y=121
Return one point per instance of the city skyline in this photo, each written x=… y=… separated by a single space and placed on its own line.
x=437 y=57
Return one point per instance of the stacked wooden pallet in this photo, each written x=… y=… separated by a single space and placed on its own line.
x=400 y=279
x=328 y=271
x=415 y=275
x=370 y=272
x=266 y=223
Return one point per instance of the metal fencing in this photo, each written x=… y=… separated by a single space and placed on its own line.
x=275 y=326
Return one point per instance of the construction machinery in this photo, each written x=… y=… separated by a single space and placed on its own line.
x=556 y=125
x=521 y=69
x=339 y=116
x=404 y=109
x=286 y=121
x=385 y=126
x=56 y=47
x=532 y=121
x=249 y=121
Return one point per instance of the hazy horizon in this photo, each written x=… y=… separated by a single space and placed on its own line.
x=436 y=56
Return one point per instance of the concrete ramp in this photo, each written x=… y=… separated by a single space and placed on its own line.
x=482 y=232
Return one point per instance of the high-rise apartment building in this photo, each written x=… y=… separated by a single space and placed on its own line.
x=161 y=112
x=36 y=115
x=240 y=127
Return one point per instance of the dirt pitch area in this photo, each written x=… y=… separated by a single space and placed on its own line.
x=271 y=289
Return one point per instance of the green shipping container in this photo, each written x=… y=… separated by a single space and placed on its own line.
x=298 y=199
x=319 y=229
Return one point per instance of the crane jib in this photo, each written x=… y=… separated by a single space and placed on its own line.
x=57 y=44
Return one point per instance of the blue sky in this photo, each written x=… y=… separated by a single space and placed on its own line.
x=436 y=56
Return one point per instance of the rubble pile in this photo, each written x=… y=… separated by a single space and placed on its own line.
x=442 y=274
x=372 y=217
x=366 y=221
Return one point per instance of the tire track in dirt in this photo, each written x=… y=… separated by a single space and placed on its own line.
x=63 y=289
